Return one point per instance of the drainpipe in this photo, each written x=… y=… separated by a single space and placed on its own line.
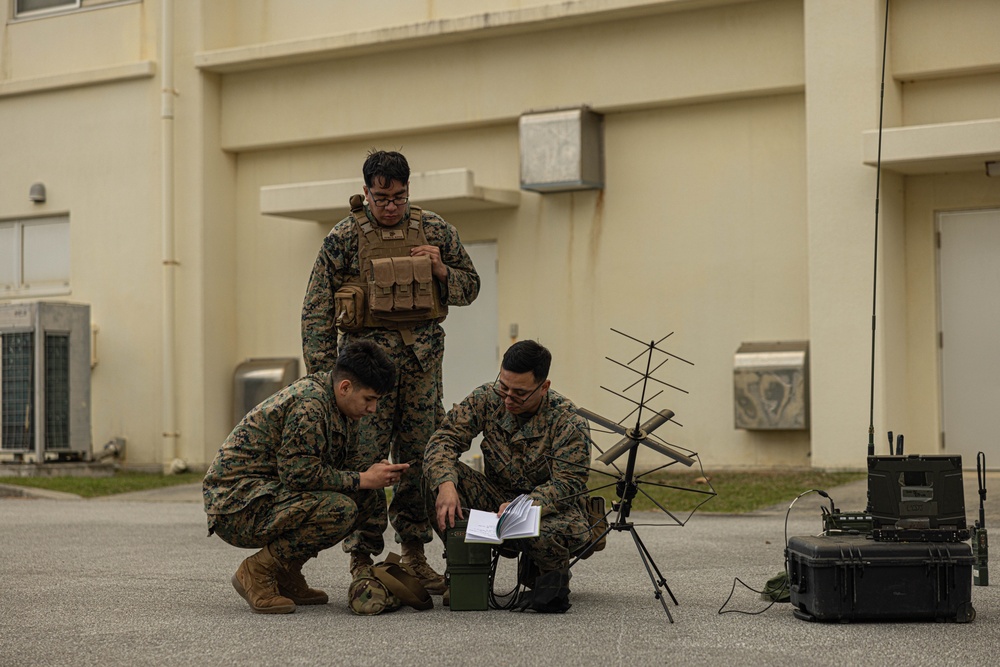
x=171 y=463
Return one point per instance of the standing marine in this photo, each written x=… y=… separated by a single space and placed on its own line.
x=388 y=273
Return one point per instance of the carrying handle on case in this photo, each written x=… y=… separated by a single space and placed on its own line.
x=981 y=478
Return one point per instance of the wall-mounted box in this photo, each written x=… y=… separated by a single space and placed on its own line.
x=771 y=386
x=256 y=379
x=562 y=150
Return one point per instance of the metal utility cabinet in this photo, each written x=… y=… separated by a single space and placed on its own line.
x=45 y=380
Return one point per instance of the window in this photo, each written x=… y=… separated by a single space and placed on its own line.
x=34 y=257
x=32 y=7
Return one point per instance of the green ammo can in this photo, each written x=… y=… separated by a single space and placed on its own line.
x=468 y=571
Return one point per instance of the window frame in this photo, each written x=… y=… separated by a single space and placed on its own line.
x=18 y=289
x=67 y=6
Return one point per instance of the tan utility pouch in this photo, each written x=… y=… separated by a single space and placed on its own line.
x=349 y=307
x=598 y=520
x=383 y=279
x=402 y=296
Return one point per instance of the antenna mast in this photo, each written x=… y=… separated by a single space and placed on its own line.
x=878 y=189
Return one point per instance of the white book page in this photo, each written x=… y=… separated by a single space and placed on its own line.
x=482 y=527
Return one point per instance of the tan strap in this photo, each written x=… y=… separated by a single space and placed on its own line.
x=409 y=338
x=416 y=218
x=403 y=583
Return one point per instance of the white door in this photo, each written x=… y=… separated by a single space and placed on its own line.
x=969 y=275
x=471 y=348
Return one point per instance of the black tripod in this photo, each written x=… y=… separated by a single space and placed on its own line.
x=626 y=490
x=627 y=484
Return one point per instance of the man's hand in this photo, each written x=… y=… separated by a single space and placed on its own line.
x=448 y=506
x=382 y=474
x=438 y=267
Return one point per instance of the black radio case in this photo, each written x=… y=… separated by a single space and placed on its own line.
x=850 y=578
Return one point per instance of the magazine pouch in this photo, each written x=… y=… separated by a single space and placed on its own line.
x=349 y=308
x=402 y=295
x=380 y=288
x=423 y=283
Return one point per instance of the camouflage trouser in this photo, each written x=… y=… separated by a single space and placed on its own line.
x=297 y=525
x=405 y=421
x=561 y=534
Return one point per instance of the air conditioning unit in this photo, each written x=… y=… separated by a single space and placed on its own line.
x=45 y=381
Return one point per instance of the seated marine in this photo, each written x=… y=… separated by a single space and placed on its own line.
x=533 y=443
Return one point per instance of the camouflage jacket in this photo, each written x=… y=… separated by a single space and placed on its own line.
x=296 y=440
x=546 y=458
x=338 y=261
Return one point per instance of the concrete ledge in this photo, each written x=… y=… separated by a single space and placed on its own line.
x=935 y=149
x=144 y=69
x=442 y=191
x=435 y=31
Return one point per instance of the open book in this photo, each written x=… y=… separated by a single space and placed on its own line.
x=521 y=518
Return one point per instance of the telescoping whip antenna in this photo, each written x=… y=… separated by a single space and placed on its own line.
x=878 y=186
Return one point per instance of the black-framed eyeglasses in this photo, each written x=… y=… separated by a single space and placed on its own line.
x=382 y=203
x=517 y=395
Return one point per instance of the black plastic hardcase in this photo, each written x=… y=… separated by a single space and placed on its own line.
x=850 y=578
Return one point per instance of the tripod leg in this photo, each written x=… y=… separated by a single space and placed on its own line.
x=646 y=560
x=662 y=582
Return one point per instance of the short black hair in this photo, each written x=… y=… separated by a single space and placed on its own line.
x=367 y=365
x=387 y=166
x=528 y=355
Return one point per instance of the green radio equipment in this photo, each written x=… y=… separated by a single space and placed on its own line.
x=980 y=542
x=468 y=570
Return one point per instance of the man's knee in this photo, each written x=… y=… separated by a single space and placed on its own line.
x=344 y=508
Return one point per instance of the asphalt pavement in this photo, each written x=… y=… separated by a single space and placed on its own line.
x=133 y=580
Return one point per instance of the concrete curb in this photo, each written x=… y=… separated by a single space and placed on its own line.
x=15 y=491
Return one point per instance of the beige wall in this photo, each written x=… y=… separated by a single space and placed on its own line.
x=574 y=265
x=52 y=45
x=109 y=192
x=737 y=205
x=679 y=168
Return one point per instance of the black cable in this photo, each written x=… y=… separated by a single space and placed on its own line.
x=774 y=598
x=774 y=595
x=503 y=600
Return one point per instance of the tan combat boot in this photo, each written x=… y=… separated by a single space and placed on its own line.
x=413 y=557
x=293 y=585
x=359 y=561
x=255 y=580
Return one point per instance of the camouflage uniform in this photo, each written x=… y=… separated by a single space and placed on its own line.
x=288 y=475
x=408 y=415
x=545 y=456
